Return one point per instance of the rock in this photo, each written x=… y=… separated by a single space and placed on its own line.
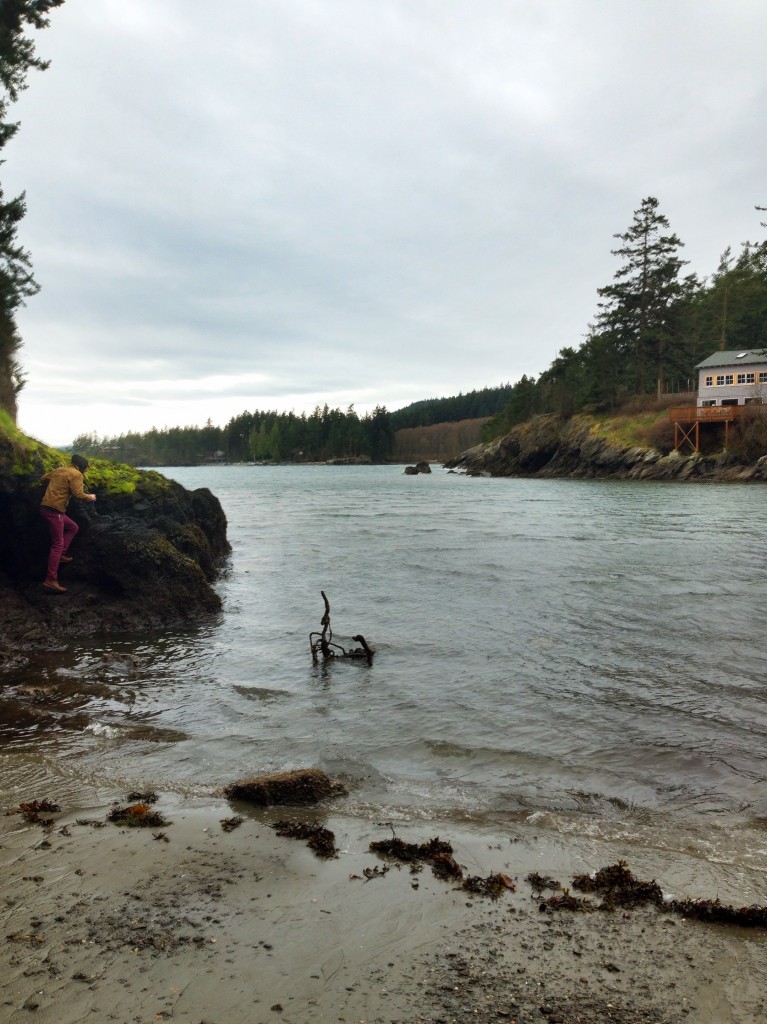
x=302 y=786
x=146 y=554
x=420 y=467
x=554 y=446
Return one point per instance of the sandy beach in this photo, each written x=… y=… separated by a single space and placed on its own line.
x=193 y=923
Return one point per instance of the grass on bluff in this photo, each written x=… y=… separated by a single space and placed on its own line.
x=641 y=423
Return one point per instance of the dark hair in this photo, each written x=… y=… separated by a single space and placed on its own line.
x=80 y=463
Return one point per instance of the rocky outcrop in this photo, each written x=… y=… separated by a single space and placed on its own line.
x=145 y=557
x=419 y=467
x=550 y=446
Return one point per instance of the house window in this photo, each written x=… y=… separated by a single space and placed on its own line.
x=745 y=378
x=709 y=382
x=728 y=378
x=707 y=402
x=720 y=380
x=763 y=378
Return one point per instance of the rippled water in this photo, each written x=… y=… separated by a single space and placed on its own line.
x=586 y=655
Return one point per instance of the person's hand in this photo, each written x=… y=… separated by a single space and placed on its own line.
x=93 y=497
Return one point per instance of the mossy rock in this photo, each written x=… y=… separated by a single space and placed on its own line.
x=145 y=556
x=302 y=786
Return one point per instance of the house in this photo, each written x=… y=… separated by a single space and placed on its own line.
x=727 y=381
x=733 y=378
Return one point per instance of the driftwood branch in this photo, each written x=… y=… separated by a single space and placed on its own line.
x=322 y=643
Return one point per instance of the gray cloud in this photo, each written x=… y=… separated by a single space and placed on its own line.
x=346 y=201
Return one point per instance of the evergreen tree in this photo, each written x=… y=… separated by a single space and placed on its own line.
x=17 y=58
x=636 y=311
x=731 y=312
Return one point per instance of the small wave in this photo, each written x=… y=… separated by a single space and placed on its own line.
x=109 y=732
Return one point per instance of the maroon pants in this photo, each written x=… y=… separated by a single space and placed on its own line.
x=62 y=530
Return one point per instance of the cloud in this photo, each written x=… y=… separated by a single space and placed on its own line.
x=349 y=201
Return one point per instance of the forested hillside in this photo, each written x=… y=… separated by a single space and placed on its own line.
x=471 y=406
x=436 y=442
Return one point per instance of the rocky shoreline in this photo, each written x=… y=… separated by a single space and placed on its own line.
x=552 y=446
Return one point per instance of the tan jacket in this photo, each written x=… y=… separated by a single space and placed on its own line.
x=63 y=483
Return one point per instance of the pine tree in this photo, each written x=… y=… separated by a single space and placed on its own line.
x=638 y=307
x=17 y=58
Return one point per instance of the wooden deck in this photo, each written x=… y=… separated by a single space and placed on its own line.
x=707 y=413
x=687 y=420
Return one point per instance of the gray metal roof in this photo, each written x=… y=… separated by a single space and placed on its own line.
x=736 y=357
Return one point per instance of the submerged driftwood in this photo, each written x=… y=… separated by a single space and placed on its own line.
x=322 y=643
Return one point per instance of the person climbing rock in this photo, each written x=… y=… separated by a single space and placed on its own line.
x=63 y=483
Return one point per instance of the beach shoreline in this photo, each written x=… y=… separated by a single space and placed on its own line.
x=194 y=923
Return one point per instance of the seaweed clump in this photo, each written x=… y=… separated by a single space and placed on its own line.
x=32 y=809
x=619 y=887
x=230 y=824
x=139 y=815
x=437 y=852
x=754 y=916
x=398 y=849
x=491 y=886
x=444 y=865
x=540 y=882
x=320 y=839
x=566 y=901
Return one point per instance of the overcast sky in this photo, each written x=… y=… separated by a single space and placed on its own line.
x=270 y=204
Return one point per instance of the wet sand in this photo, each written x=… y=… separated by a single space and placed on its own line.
x=192 y=923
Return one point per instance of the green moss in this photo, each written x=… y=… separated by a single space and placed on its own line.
x=31 y=457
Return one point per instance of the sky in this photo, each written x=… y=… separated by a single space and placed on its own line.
x=274 y=204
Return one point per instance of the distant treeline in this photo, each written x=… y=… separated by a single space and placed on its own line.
x=286 y=437
x=651 y=328
x=253 y=437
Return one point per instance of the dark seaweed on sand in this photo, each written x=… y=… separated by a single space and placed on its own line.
x=138 y=815
x=320 y=839
x=620 y=888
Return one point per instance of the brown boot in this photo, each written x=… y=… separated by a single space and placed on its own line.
x=55 y=586
x=66 y=558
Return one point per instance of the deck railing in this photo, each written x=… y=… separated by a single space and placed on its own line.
x=707 y=413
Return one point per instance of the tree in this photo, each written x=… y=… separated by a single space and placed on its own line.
x=637 y=308
x=17 y=58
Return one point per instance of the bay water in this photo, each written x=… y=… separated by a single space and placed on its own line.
x=587 y=657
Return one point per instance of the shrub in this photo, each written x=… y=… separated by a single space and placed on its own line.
x=660 y=435
x=748 y=440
